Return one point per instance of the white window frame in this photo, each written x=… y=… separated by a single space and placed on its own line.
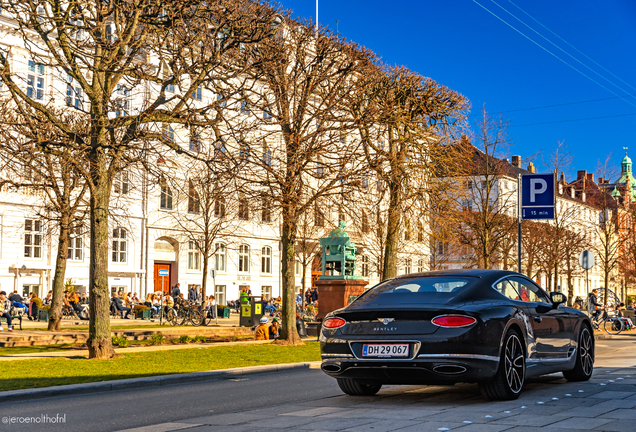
x=266 y=260
x=266 y=292
x=33 y=238
x=220 y=292
x=220 y=257
x=408 y=266
x=194 y=256
x=121 y=184
x=74 y=94
x=36 y=80
x=165 y=196
x=244 y=258
x=119 y=254
x=76 y=245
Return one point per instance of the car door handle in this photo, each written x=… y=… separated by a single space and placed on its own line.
x=537 y=319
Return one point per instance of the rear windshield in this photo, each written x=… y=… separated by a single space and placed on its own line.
x=415 y=290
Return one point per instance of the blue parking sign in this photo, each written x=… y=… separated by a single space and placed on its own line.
x=537 y=196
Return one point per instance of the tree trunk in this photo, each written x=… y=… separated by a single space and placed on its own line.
x=55 y=313
x=288 y=328
x=302 y=282
x=556 y=277
x=204 y=282
x=606 y=281
x=389 y=269
x=99 y=338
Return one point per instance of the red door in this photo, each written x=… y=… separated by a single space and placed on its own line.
x=162 y=277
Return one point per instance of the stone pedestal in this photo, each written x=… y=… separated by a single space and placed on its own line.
x=334 y=293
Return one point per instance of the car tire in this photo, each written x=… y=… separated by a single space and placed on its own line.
x=584 y=358
x=510 y=377
x=356 y=388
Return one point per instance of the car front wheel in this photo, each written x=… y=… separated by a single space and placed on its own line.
x=509 y=379
x=356 y=388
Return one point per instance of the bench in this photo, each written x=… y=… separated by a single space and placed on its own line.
x=13 y=318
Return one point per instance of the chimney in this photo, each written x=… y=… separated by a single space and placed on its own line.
x=590 y=177
x=581 y=174
x=562 y=177
x=531 y=167
x=600 y=180
x=516 y=161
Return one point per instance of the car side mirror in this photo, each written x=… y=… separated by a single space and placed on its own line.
x=558 y=298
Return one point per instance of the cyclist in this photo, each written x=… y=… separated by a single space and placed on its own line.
x=593 y=306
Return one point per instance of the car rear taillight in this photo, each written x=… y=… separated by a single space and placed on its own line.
x=333 y=323
x=453 y=321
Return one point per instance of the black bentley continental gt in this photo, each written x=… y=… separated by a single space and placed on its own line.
x=495 y=328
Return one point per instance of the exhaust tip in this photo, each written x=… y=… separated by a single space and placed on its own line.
x=331 y=368
x=448 y=369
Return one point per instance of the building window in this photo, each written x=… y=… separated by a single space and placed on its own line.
x=219 y=207
x=197 y=94
x=194 y=256
x=469 y=184
x=298 y=267
x=319 y=217
x=442 y=248
x=219 y=295
x=122 y=101
x=32 y=238
x=408 y=266
x=75 y=244
x=195 y=140
x=243 y=209
x=244 y=152
x=364 y=267
x=244 y=259
x=35 y=80
x=166 y=196
x=365 y=223
x=266 y=211
x=420 y=232
x=193 y=199
x=120 y=245
x=267 y=155
x=120 y=184
x=167 y=132
x=266 y=260
x=320 y=169
x=420 y=266
x=74 y=96
x=407 y=230
x=266 y=292
x=219 y=257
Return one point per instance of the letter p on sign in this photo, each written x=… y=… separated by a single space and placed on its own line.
x=537 y=187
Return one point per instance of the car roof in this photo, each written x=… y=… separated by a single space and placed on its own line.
x=476 y=273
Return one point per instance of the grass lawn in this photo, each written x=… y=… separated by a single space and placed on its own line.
x=33 y=349
x=60 y=371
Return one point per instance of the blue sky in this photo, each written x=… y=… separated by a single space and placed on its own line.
x=461 y=45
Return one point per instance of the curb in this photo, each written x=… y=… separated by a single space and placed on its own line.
x=155 y=381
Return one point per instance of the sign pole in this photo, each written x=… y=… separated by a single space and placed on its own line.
x=519 y=223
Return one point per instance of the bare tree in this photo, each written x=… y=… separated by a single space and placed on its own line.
x=401 y=117
x=133 y=66
x=63 y=204
x=303 y=151
x=488 y=212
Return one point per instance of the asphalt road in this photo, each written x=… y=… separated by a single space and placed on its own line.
x=264 y=395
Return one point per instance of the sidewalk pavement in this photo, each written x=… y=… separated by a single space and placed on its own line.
x=233 y=320
x=154 y=381
x=133 y=349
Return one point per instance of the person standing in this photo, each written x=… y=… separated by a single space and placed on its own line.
x=192 y=293
x=176 y=290
x=314 y=295
x=593 y=306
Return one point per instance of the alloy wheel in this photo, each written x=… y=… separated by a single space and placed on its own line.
x=514 y=364
x=586 y=352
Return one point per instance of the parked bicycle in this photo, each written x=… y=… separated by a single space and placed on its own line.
x=189 y=312
x=608 y=321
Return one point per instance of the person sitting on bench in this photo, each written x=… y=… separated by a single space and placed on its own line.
x=5 y=310
x=120 y=306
